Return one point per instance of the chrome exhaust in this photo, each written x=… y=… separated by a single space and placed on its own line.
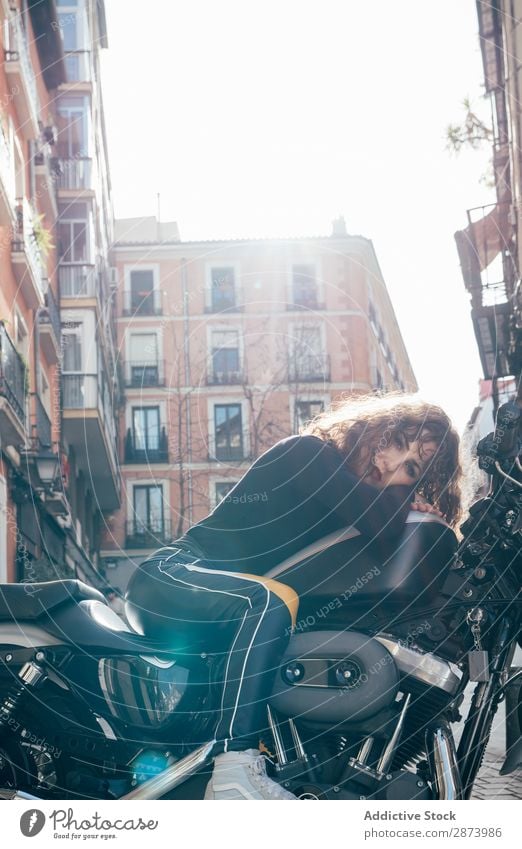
x=442 y=758
x=174 y=775
x=7 y=794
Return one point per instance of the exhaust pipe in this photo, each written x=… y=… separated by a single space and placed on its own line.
x=442 y=758
x=7 y=794
x=174 y=775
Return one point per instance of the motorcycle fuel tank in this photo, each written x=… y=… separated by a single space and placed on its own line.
x=357 y=570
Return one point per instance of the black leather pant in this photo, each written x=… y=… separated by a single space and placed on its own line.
x=257 y=615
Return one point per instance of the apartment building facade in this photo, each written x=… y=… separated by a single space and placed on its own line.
x=226 y=347
x=490 y=248
x=58 y=469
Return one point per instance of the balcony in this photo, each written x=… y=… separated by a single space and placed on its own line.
x=12 y=392
x=22 y=80
x=487 y=253
x=226 y=300
x=147 y=302
x=74 y=176
x=50 y=328
x=88 y=425
x=26 y=258
x=224 y=378
x=139 y=375
x=77 y=281
x=159 y=454
x=228 y=452
x=302 y=302
x=150 y=533
x=309 y=368
x=78 y=67
x=41 y=436
x=7 y=184
x=45 y=178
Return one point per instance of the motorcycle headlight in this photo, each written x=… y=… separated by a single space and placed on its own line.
x=142 y=691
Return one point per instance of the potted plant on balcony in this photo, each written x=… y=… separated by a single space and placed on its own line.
x=42 y=236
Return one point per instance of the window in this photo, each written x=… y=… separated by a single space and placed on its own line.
x=304 y=285
x=146 y=441
x=72 y=350
x=73 y=229
x=148 y=510
x=146 y=428
x=223 y=288
x=73 y=127
x=305 y=411
x=225 y=356
x=228 y=431
x=73 y=380
x=73 y=28
x=141 y=297
x=307 y=360
x=143 y=367
x=222 y=488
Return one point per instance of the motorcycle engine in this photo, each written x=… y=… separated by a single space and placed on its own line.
x=345 y=678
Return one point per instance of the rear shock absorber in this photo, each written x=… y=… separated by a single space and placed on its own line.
x=31 y=676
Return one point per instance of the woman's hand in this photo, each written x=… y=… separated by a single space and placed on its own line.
x=424 y=506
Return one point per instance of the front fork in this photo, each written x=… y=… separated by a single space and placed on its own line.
x=477 y=727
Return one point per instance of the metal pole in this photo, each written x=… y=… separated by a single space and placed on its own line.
x=186 y=356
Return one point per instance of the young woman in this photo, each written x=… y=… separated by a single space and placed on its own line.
x=365 y=463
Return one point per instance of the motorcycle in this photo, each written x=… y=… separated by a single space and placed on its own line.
x=365 y=700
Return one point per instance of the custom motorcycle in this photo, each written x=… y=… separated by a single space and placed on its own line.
x=365 y=703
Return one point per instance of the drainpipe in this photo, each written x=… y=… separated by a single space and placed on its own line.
x=186 y=355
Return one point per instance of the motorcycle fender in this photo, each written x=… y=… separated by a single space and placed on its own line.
x=514 y=759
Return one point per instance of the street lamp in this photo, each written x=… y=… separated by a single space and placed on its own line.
x=47 y=467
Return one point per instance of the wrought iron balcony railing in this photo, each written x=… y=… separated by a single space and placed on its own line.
x=141 y=374
x=50 y=314
x=223 y=378
x=225 y=300
x=13 y=377
x=142 y=303
x=24 y=242
x=75 y=174
x=147 y=533
x=18 y=52
x=42 y=428
x=309 y=368
x=156 y=451
x=77 y=280
x=229 y=452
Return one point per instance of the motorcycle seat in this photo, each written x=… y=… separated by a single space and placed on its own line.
x=30 y=601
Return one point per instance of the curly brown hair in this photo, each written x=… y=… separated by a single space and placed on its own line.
x=359 y=426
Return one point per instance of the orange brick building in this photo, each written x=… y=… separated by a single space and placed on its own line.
x=226 y=347
x=58 y=467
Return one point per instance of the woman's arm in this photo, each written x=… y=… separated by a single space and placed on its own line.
x=315 y=469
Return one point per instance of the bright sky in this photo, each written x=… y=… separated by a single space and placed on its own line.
x=272 y=117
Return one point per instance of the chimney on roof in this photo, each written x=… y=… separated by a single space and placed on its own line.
x=339 y=226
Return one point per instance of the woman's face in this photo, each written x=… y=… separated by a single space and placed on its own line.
x=400 y=463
